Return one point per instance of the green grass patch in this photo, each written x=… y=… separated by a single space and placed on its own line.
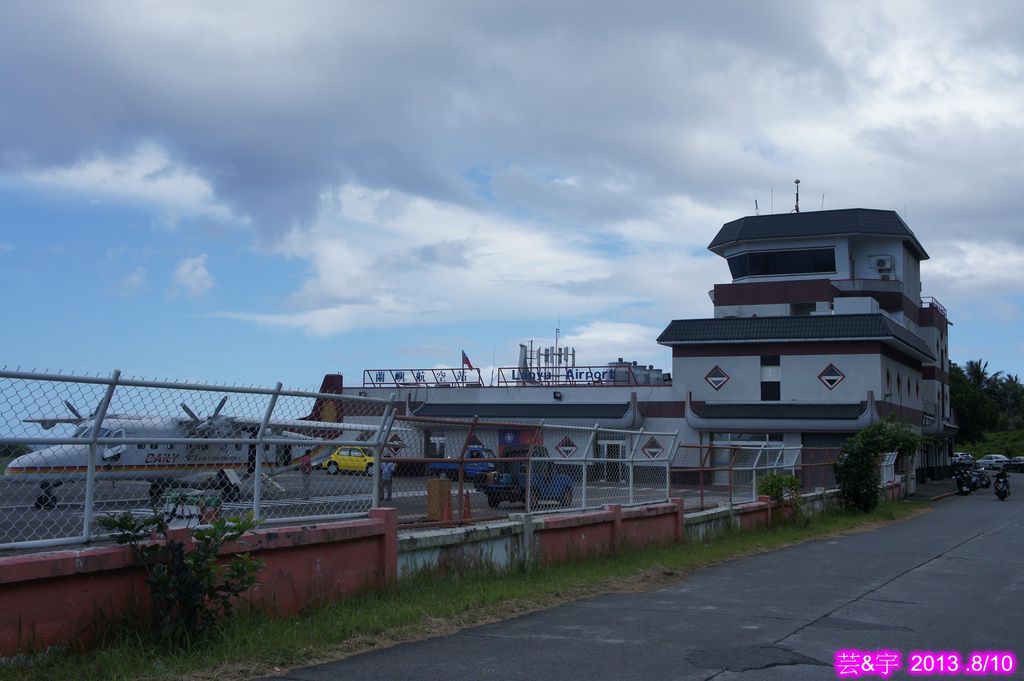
x=1008 y=442
x=423 y=606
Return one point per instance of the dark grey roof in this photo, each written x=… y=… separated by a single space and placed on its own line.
x=817 y=223
x=838 y=327
x=778 y=410
x=526 y=411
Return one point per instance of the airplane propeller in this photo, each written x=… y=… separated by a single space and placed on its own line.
x=74 y=412
x=209 y=420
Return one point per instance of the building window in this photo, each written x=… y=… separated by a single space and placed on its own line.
x=771 y=377
x=802 y=309
x=771 y=391
x=775 y=263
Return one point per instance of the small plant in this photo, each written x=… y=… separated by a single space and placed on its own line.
x=191 y=589
x=784 y=490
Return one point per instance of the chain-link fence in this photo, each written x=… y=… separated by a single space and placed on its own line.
x=471 y=470
x=73 y=448
x=705 y=476
x=76 y=447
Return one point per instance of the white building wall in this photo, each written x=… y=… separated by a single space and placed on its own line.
x=798 y=377
x=744 y=384
x=800 y=381
x=907 y=377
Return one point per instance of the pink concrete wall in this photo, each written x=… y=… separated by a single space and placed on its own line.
x=564 y=537
x=68 y=597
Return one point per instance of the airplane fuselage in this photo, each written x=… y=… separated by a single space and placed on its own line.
x=152 y=462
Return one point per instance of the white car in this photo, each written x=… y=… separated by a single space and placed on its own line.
x=992 y=461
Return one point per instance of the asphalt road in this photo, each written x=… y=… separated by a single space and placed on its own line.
x=950 y=579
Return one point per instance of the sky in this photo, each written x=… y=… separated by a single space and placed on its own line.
x=248 y=193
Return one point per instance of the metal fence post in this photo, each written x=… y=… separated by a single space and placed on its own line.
x=632 y=465
x=529 y=469
x=90 y=473
x=387 y=420
x=588 y=456
x=668 y=465
x=257 y=488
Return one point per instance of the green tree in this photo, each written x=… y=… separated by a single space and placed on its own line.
x=857 y=470
x=976 y=411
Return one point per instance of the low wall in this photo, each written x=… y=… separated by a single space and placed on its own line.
x=496 y=544
x=68 y=597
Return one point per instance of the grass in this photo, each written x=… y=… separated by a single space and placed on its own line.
x=1008 y=442
x=420 y=607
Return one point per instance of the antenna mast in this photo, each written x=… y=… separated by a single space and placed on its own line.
x=796 y=209
x=756 y=211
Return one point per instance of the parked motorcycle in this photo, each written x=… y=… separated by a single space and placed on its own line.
x=984 y=481
x=1002 y=483
x=966 y=480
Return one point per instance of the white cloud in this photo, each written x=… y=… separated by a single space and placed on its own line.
x=147 y=175
x=191 y=277
x=385 y=260
x=133 y=282
x=972 y=266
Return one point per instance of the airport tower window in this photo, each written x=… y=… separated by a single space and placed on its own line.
x=771 y=391
x=777 y=263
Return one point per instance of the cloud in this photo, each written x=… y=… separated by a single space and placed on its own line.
x=145 y=175
x=465 y=161
x=133 y=282
x=384 y=260
x=191 y=278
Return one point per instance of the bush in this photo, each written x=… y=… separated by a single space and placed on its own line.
x=785 y=491
x=191 y=590
x=857 y=470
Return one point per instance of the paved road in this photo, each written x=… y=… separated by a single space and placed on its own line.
x=951 y=579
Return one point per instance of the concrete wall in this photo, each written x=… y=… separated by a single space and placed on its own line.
x=67 y=597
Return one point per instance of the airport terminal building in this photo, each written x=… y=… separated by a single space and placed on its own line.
x=821 y=331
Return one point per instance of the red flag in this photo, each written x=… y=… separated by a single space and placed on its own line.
x=465 y=360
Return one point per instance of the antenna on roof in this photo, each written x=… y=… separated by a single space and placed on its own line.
x=756 y=211
x=796 y=209
x=822 y=202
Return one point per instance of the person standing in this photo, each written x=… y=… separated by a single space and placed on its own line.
x=387 y=471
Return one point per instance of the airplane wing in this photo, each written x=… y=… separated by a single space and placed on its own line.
x=298 y=424
x=49 y=422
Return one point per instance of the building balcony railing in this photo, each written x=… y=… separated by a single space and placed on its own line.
x=928 y=301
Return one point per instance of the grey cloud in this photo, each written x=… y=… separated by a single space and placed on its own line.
x=406 y=97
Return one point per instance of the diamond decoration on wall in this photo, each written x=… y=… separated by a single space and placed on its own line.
x=716 y=378
x=831 y=376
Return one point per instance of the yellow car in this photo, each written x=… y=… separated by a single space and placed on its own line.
x=349 y=460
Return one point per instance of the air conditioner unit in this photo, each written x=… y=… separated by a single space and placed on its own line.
x=882 y=263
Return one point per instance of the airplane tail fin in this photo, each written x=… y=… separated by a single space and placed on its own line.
x=328 y=411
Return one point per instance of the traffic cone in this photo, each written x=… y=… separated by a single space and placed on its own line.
x=467 y=508
x=446 y=512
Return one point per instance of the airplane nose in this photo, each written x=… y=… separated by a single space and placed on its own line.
x=17 y=465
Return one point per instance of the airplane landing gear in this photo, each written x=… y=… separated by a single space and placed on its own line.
x=47 y=499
